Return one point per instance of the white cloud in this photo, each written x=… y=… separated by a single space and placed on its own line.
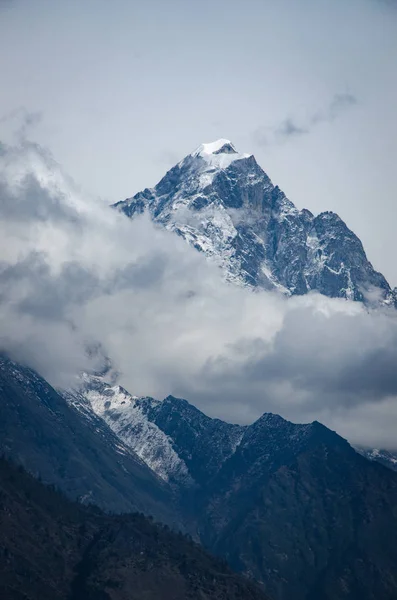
x=75 y=273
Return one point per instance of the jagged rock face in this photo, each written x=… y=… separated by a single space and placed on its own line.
x=223 y=203
x=178 y=442
x=319 y=525
x=204 y=444
x=126 y=415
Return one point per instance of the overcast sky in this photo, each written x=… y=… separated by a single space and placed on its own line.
x=120 y=91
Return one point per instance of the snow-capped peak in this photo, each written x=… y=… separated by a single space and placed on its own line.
x=221 y=146
x=223 y=204
x=220 y=153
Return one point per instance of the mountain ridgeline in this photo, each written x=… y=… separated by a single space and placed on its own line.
x=223 y=204
x=293 y=506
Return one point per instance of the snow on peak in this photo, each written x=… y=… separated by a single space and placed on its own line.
x=219 y=154
x=221 y=146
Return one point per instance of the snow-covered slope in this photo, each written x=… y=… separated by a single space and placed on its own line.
x=126 y=416
x=177 y=441
x=222 y=203
x=76 y=451
x=182 y=445
x=388 y=458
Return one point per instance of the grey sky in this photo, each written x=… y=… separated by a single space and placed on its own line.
x=127 y=88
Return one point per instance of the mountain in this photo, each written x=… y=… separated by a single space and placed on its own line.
x=126 y=416
x=223 y=204
x=388 y=458
x=182 y=445
x=297 y=508
x=53 y=549
x=293 y=506
x=81 y=456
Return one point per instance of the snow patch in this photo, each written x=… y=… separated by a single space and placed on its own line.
x=215 y=147
x=218 y=155
x=125 y=415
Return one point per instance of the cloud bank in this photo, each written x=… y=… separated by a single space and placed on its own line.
x=291 y=127
x=76 y=275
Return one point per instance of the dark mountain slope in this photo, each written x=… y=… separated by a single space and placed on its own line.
x=291 y=505
x=294 y=506
x=82 y=456
x=309 y=517
x=53 y=549
x=201 y=442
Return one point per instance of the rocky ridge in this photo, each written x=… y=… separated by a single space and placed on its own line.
x=224 y=205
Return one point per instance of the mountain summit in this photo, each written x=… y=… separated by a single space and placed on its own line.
x=223 y=203
x=221 y=146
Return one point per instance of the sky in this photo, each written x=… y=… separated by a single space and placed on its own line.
x=117 y=93
x=120 y=91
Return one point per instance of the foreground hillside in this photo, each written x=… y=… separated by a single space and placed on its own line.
x=79 y=455
x=52 y=549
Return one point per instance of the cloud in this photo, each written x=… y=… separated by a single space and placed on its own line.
x=289 y=128
x=292 y=128
x=337 y=106
x=76 y=275
x=20 y=122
